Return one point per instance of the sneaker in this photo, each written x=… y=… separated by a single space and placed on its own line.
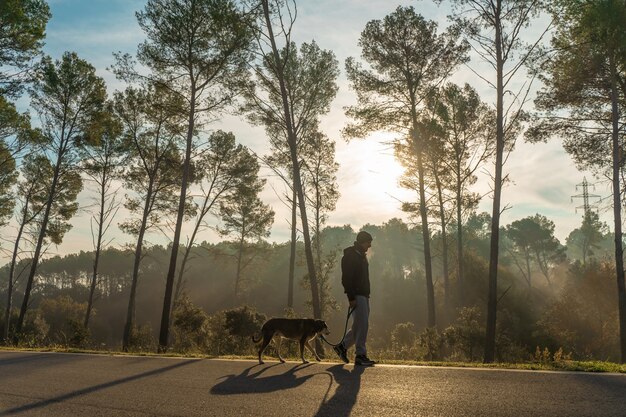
x=363 y=360
x=342 y=352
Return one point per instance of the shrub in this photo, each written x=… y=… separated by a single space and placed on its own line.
x=466 y=336
x=64 y=317
x=142 y=339
x=403 y=341
x=190 y=327
x=432 y=342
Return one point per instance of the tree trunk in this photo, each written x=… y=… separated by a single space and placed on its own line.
x=430 y=288
x=292 y=252
x=130 y=313
x=16 y=247
x=181 y=272
x=492 y=298
x=42 y=235
x=239 y=257
x=528 y=267
x=617 y=207
x=94 y=278
x=459 y=243
x=169 y=284
x=292 y=141
x=444 y=242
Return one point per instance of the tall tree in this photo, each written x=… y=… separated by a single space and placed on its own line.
x=152 y=121
x=68 y=95
x=408 y=61
x=102 y=157
x=247 y=218
x=467 y=128
x=533 y=239
x=436 y=181
x=292 y=91
x=588 y=237
x=320 y=185
x=495 y=30
x=197 y=49
x=441 y=184
x=31 y=196
x=223 y=167
x=583 y=98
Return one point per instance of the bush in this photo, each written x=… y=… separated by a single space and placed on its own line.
x=190 y=328
x=64 y=317
x=35 y=330
x=142 y=339
x=432 y=342
x=403 y=341
x=241 y=324
x=466 y=336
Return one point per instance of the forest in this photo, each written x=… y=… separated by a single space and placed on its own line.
x=451 y=283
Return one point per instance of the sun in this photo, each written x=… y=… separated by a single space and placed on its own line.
x=368 y=176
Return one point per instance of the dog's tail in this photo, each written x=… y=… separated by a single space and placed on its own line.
x=255 y=340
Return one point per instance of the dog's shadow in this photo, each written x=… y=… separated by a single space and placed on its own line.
x=249 y=382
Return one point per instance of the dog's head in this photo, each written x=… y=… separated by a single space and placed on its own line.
x=321 y=327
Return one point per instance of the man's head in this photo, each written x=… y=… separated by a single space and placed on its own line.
x=364 y=240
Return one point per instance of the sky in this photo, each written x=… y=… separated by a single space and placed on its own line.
x=543 y=177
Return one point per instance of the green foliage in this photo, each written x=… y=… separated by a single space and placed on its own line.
x=243 y=322
x=244 y=215
x=403 y=340
x=407 y=59
x=190 y=328
x=590 y=241
x=22 y=29
x=142 y=339
x=64 y=316
x=432 y=342
x=584 y=319
x=35 y=330
x=466 y=337
x=577 y=93
x=534 y=241
x=232 y=331
x=152 y=127
x=198 y=48
x=310 y=75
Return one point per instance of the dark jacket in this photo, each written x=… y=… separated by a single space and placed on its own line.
x=355 y=275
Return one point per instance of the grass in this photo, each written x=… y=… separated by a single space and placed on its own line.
x=563 y=365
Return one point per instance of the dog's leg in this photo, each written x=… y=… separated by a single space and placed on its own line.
x=302 y=343
x=266 y=341
x=278 y=343
x=308 y=345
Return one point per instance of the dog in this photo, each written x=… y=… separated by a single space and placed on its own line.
x=302 y=330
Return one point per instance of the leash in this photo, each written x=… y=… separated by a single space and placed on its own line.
x=345 y=330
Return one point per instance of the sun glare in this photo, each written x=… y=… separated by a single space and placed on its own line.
x=370 y=172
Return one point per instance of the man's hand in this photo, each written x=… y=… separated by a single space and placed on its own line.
x=352 y=303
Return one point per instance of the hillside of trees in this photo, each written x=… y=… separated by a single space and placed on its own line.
x=450 y=283
x=572 y=309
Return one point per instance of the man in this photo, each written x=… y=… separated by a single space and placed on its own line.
x=356 y=283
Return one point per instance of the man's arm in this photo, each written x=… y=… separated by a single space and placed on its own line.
x=348 y=277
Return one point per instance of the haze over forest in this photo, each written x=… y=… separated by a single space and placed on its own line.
x=172 y=177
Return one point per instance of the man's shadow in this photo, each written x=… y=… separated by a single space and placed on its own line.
x=249 y=382
x=342 y=402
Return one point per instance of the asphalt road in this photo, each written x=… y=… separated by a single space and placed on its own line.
x=54 y=384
